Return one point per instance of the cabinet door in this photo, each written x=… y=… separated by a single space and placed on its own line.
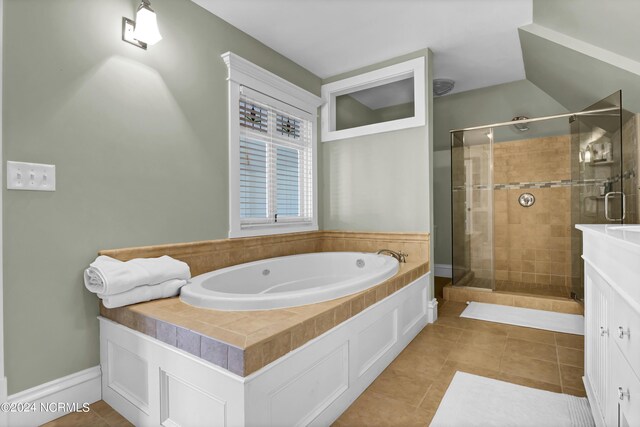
x=597 y=364
x=624 y=392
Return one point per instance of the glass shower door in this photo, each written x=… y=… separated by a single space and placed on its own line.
x=597 y=195
x=472 y=208
x=461 y=267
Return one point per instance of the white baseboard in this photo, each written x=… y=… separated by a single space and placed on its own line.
x=72 y=391
x=443 y=270
x=432 y=310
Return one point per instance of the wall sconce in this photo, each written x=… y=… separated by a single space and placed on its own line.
x=144 y=31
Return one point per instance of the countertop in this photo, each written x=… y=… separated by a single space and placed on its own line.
x=621 y=234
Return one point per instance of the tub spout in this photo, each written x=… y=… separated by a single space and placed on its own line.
x=400 y=256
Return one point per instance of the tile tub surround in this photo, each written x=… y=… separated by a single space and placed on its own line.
x=243 y=342
x=210 y=255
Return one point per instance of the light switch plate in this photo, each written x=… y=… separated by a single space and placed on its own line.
x=31 y=176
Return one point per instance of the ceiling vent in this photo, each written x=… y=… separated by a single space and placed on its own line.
x=442 y=86
x=520 y=127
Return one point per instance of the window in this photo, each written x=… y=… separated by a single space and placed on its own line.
x=272 y=153
x=382 y=100
x=276 y=179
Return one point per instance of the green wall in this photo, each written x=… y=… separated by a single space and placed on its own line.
x=139 y=140
x=378 y=182
x=352 y=113
x=395 y=112
x=474 y=108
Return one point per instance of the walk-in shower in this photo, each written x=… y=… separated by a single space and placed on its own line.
x=517 y=196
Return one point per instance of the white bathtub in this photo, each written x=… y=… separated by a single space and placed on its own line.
x=288 y=281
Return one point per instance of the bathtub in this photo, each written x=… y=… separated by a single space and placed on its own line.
x=288 y=281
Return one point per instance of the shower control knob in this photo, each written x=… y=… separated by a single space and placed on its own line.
x=603 y=331
x=526 y=200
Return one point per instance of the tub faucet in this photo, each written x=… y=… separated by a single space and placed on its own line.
x=400 y=256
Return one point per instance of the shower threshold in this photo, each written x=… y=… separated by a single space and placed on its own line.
x=516 y=299
x=512 y=286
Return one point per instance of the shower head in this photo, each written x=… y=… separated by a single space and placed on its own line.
x=442 y=86
x=520 y=127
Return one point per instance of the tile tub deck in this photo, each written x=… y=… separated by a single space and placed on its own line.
x=244 y=342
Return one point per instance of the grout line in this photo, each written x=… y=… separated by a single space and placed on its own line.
x=504 y=352
x=424 y=396
x=558 y=360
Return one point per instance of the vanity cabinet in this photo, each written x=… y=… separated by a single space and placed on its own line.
x=597 y=339
x=612 y=323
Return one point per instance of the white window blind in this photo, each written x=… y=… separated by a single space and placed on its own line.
x=276 y=164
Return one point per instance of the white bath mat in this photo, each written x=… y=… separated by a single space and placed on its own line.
x=527 y=317
x=472 y=400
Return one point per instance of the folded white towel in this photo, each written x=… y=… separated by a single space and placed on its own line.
x=170 y=288
x=108 y=276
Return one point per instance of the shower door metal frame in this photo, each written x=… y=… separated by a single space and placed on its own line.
x=536 y=119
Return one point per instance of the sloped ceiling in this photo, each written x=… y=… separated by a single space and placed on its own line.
x=611 y=25
x=580 y=51
x=574 y=79
x=396 y=93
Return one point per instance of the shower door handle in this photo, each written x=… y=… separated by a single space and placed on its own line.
x=606 y=205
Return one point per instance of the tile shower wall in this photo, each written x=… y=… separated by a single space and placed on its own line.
x=533 y=245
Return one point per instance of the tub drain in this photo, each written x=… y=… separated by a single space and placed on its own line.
x=266 y=272
x=360 y=263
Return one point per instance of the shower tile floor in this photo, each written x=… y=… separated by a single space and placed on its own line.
x=409 y=391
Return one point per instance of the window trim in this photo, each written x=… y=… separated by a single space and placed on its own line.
x=415 y=68
x=244 y=73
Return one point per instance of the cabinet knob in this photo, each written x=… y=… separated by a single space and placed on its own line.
x=603 y=331
x=622 y=332
x=622 y=394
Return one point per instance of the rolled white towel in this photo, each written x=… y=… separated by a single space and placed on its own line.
x=109 y=276
x=143 y=293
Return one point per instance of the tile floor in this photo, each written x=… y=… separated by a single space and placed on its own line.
x=100 y=415
x=409 y=391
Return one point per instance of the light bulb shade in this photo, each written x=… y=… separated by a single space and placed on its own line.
x=146 y=26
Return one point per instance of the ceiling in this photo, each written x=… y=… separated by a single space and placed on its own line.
x=388 y=95
x=475 y=42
